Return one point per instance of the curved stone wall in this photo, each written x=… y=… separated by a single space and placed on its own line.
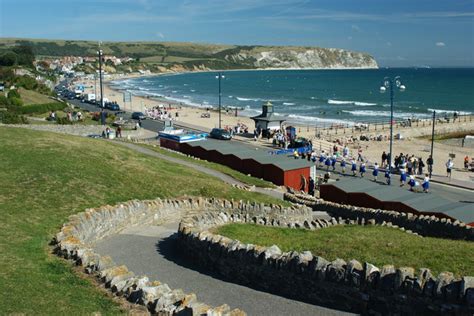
x=76 y=238
x=350 y=286
x=422 y=224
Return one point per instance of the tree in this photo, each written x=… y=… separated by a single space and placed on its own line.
x=13 y=94
x=8 y=59
x=25 y=55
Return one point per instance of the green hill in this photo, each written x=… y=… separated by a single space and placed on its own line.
x=193 y=56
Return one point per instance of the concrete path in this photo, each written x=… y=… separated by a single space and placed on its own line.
x=151 y=250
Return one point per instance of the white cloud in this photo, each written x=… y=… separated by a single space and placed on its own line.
x=160 y=35
x=355 y=28
x=440 y=44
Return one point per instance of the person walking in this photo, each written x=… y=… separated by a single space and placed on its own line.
x=322 y=157
x=362 y=169
x=421 y=165
x=333 y=162
x=403 y=177
x=375 y=173
x=311 y=186
x=303 y=183
x=426 y=183
x=384 y=158
x=343 y=166
x=353 y=167
x=411 y=182
x=327 y=163
x=449 y=167
x=429 y=163
x=388 y=176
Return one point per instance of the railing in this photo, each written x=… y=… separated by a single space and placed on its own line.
x=378 y=125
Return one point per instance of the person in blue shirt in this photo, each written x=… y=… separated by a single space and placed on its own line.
x=322 y=157
x=353 y=167
x=327 y=163
x=375 y=173
x=333 y=162
x=388 y=176
x=343 y=166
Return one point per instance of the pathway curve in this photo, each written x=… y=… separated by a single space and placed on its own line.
x=151 y=250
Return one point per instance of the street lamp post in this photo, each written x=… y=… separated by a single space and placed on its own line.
x=100 y=79
x=389 y=83
x=219 y=77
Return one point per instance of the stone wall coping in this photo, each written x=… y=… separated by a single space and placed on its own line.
x=425 y=225
x=215 y=250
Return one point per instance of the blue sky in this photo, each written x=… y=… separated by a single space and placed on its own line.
x=396 y=33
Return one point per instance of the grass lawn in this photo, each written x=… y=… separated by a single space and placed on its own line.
x=212 y=165
x=33 y=97
x=44 y=178
x=375 y=244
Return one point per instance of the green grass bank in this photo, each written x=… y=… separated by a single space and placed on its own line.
x=375 y=244
x=44 y=178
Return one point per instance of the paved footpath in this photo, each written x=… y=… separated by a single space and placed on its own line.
x=151 y=250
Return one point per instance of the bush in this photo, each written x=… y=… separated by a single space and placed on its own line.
x=63 y=121
x=16 y=101
x=13 y=94
x=41 y=108
x=4 y=100
x=12 y=118
x=8 y=59
x=26 y=82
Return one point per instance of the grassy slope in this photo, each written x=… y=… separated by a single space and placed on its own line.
x=46 y=177
x=224 y=169
x=33 y=97
x=375 y=244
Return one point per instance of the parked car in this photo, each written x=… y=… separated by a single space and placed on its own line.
x=112 y=106
x=138 y=116
x=219 y=133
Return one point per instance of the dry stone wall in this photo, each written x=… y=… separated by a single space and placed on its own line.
x=76 y=238
x=425 y=225
x=350 y=286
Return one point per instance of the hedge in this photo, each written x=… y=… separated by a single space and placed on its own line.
x=41 y=108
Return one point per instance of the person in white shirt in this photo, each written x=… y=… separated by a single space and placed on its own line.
x=449 y=167
x=375 y=173
x=426 y=183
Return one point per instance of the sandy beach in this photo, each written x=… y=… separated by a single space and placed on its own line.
x=324 y=139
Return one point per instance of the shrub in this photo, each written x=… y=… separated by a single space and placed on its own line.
x=4 y=100
x=13 y=94
x=41 y=108
x=12 y=118
x=8 y=59
x=16 y=101
x=63 y=121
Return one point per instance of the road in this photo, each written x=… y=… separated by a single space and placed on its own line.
x=441 y=188
x=151 y=250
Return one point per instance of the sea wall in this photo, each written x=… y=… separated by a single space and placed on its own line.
x=422 y=224
x=349 y=286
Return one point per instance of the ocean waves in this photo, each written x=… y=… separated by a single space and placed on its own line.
x=358 y=103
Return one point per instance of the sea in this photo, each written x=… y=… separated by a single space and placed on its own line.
x=318 y=97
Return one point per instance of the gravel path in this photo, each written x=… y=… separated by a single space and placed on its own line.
x=151 y=250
